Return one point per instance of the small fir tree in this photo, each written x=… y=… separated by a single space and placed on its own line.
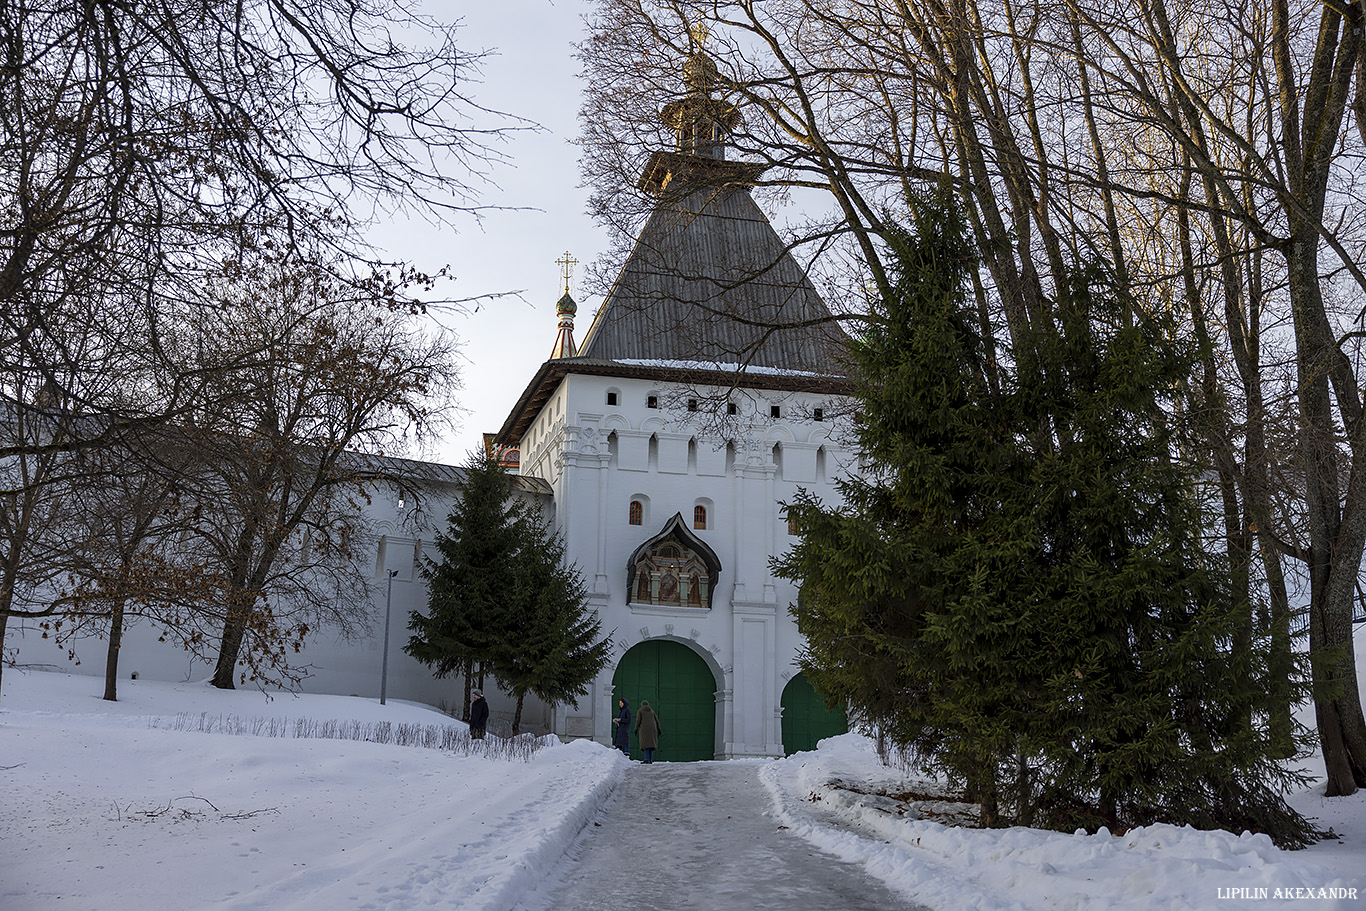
x=501 y=599
x=1016 y=590
x=467 y=607
x=552 y=648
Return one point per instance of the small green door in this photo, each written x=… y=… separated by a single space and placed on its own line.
x=806 y=720
x=680 y=688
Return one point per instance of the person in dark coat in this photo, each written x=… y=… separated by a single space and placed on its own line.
x=648 y=729
x=621 y=726
x=479 y=715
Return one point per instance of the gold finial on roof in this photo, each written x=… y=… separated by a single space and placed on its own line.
x=699 y=33
x=567 y=264
x=565 y=309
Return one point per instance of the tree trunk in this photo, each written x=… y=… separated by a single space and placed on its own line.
x=1211 y=415
x=469 y=685
x=517 y=716
x=4 y=621
x=1312 y=117
x=1281 y=662
x=1336 y=526
x=234 y=633
x=1024 y=789
x=111 y=661
x=1256 y=471
x=224 y=671
x=6 y=605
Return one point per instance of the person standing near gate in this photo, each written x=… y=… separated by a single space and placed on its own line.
x=621 y=733
x=648 y=729
x=479 y=715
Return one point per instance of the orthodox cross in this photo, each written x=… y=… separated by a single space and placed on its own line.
x=567 y=264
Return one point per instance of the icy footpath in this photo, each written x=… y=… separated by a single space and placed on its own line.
x=952 y=868
x=531 y=832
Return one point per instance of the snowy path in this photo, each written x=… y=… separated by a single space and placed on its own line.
x=701 y=835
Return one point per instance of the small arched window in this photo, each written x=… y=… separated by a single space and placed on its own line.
x=699 y=517
x=792 y=527
x=637 y=513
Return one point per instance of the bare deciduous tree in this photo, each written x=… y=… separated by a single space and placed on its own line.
x=133 y=138
x=145 y=150
x=311 y=374
x=1206 y=155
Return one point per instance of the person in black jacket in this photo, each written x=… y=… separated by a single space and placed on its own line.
x=622 y=735
x=479 y=715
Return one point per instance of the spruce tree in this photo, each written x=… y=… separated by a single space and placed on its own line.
x=501 y=598
x=1016 y=590
x=551 y=649
x=467 y=610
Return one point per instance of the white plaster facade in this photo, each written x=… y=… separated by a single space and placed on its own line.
x=599 y=457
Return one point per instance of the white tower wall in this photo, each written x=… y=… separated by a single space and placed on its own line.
x=598 y=457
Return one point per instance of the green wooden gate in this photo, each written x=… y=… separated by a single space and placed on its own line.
x=806 y=720
x=680 y=688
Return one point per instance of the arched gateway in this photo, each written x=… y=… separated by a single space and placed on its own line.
x=680 y=688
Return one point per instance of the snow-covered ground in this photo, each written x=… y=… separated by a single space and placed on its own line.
x=107 y=807
x=947 y=867
x=103 y=812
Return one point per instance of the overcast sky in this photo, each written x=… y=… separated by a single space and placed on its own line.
x=531 y=74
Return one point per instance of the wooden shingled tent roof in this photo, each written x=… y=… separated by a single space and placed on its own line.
x=710 y=281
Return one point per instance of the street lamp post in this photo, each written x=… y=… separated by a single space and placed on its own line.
x=384 y=662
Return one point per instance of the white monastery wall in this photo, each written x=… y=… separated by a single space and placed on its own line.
x=598 y=455
x=399 y=538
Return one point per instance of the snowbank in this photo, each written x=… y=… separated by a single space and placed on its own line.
x=946 y=867
x=104 y=812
